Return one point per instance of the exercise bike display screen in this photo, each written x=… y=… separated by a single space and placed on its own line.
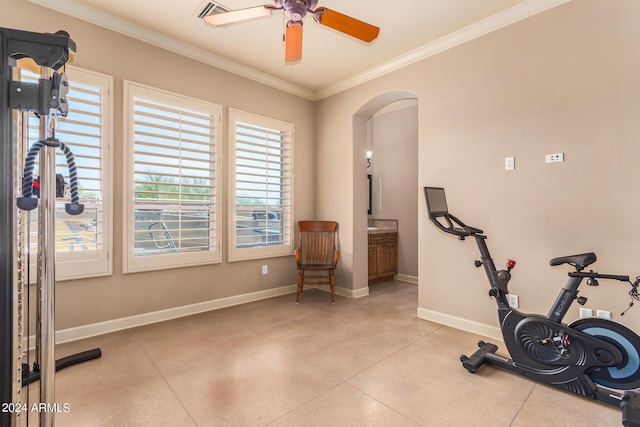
x=436 y=201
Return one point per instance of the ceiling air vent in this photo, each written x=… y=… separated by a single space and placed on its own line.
x=211 y=8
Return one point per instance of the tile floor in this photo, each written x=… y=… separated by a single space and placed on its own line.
x=364 y=362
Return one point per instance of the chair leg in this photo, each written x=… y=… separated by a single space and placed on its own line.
x=300 y=280
x=332 y=283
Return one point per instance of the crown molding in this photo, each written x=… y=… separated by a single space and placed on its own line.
x=492 y=23
x=86 y=13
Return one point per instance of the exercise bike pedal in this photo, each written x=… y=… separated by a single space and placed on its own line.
x=630 y=409
x=479 y=358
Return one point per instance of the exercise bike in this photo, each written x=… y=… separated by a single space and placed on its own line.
x=593 y=357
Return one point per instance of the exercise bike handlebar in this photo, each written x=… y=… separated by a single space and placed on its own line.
x=455 y=226
x=594 y=275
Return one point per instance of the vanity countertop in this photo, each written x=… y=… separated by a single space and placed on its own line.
x=379 y=226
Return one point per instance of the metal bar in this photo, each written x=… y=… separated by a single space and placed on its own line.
x=46 y=266
x=564 y=300
x=21 y=266
x=594 y=275
x=6 y=237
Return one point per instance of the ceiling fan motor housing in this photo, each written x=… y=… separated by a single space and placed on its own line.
x=296 y=9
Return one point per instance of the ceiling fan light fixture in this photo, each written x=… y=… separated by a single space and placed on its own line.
x=296 y=10
x=239 y=15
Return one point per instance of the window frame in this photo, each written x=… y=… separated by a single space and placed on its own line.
x=74 y=265
x=131 y=262
x=269 y=251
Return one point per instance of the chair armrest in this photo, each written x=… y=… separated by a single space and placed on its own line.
x=336 y=257
x=298 y=254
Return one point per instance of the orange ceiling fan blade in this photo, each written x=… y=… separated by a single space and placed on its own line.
x=346 y=24
x=239 y=15
x=293 y=42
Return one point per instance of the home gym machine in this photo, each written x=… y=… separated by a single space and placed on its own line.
x=47 y=101
x=593 y=357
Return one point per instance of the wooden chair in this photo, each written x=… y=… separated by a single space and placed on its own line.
x=317 y=255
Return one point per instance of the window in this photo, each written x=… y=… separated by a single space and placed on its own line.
x=172 y=205
x=83 y=242
x=261 y=181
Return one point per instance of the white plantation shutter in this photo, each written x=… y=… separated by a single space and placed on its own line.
x=83 y=242
x=172 y=204
x=261 y=175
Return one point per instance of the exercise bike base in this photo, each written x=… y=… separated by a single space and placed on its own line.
x=631 y=410
x=629 y=402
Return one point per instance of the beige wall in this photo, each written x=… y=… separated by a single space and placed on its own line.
x=82 y=302
x=566 y=80
x=394 y=135
x=562 y=81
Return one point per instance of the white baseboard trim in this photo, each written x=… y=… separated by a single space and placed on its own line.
x=94 y=329
x=358 y=293
x=343 y=292
x=492 y=332
x=406 y=278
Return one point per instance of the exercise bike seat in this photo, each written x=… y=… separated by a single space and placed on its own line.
x=580 y=261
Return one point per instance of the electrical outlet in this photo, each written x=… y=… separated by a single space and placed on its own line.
x=553 y=158
x=586 y=312
x=604 y=314
x=509 y=163
x=265 y=269
x=513 y=301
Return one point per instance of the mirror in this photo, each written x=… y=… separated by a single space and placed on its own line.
x=369 y=198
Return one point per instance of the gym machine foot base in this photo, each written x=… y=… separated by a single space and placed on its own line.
x=29 y=376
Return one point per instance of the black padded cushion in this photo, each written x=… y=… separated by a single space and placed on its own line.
x=580 y=260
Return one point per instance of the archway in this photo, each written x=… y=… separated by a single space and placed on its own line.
x=360 y=191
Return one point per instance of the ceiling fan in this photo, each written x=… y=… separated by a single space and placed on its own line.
x=296 y=10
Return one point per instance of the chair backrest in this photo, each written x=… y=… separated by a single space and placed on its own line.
x=317 y=242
